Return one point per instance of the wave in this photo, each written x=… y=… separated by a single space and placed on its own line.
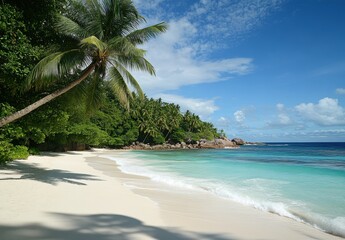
x=137 y=168
x=132 y=165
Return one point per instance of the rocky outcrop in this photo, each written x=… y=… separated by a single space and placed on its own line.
x=202 y=144
x=238 y=141
x=216 y=143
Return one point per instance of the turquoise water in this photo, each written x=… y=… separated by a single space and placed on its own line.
x=302 y=181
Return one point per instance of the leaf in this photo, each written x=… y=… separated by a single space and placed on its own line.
x=101 y=46
x=54 y=67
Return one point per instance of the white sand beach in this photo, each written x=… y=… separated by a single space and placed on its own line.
x=84 y=196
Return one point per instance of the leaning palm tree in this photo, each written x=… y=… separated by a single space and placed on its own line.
x=107 y=35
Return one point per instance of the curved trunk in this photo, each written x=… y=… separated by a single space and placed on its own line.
x=47 y=98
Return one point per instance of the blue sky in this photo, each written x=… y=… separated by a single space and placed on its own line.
x=268 y=70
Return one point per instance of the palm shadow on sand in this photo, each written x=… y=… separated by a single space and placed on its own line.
x=50 y=176
x=100 y=227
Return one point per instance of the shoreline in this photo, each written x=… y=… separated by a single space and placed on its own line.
x=84 y=195
x=206 y=198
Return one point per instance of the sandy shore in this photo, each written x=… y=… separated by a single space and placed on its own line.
x=84 y=196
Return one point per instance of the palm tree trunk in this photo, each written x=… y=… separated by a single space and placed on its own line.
x=165 y=138
x=145 y=137
x=47 y=98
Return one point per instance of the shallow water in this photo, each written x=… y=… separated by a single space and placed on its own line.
x=303 y=181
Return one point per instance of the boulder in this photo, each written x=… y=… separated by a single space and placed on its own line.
x=209 y=144
x=238 y=141
x=158 y=147
x=224 y=143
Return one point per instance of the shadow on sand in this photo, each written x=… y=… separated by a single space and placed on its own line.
x=50 y=176
x=99 y=227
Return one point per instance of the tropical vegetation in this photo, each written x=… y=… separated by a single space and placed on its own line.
x=80 y=53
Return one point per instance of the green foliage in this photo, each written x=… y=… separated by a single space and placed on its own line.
x=40 y=16
x=17 y=54
x=19 y=152
x=5 y=151
x=48 y=121
x=89 y=134
x=178 y=136
x=6 y=109
x=105 y=50
x=8 y=134
x=11 y=131
x=34 y=151
x=9 y=152
x=91 y=113
x=159 y=139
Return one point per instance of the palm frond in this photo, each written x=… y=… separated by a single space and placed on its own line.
x=55 y=66
x=122 y=46
x=119 y=87
x=142 y=35
x=78 y=12
x=95 y=15
x=125 y=52
x=119 y=18
x=137 y=63
x=128 y=78
x=95 y=93
x=93 y=41
x=68 y=27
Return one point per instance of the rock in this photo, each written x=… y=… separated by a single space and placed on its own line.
x=158 y=147
x=221 y=142
x=226 y=143
x=208 y=144
x=238 y=141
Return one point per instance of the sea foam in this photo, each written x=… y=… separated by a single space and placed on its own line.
x=131 y=164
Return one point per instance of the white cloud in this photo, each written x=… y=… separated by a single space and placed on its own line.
x=201 y=107
x=330 y=131
x=216 y=20
x=240 y=116
x=179 y=54
x=280 y=106
x=282 y=119
x=225 y=19
x=326 y=112
x=175 y=59
x=340 y=90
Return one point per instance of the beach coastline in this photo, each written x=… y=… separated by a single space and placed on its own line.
x=84 y=195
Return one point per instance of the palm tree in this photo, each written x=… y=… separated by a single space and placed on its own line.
x=107 y=34
x=173 y=113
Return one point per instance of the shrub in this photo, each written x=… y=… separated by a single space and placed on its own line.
x=159 y=139
x=19 y=152
x=8 y=152
x=178 y=136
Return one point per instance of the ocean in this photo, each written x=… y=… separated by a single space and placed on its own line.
x=302 y=181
